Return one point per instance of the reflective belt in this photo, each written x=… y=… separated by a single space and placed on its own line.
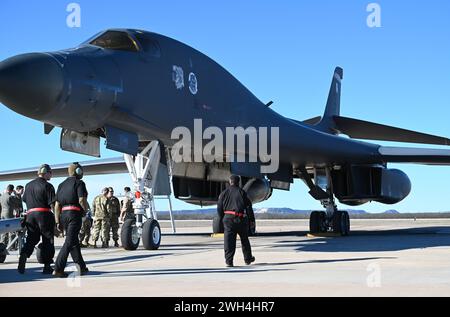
x=39 y=210
x=71 y=208
x=238 y=214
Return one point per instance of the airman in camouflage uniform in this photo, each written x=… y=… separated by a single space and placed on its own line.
x=102 y=219
x=86 y=226
x=127 y=211
x=113 y=208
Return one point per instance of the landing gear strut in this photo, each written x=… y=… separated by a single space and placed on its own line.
x=143 y=169
x=332 y=219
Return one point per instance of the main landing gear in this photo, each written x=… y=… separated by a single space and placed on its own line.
x=337 y=221
x=332 y=219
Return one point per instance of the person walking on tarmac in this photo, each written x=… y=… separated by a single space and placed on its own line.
x=39 y=198
x=70 y=206
x=101 y=218
x=236 y=210
x=113 y=207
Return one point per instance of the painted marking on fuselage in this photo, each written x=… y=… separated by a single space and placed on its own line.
x=193 y=84
x=178 y=77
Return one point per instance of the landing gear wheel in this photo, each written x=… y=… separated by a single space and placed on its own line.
x=218 y=225
x=317 y=222
x=2 y=253
x=341 y=223
x=151 y=235
x=129 y=235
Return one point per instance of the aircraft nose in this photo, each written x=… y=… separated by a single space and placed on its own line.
x=31 y=84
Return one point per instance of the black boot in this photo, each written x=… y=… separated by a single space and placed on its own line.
x=84 y=271
x=250 y=261
x=48 y=270
x=22 y=263
x=60 y=274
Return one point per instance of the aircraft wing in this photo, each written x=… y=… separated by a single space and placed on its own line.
x=415 y=155
x=95 y=167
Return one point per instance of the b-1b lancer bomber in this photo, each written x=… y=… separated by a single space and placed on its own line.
x=135 y=88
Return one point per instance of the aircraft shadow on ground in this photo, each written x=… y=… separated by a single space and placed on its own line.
x=375 y=241
x=35 y=274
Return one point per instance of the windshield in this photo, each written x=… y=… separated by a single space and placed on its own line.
x=115 y=40
x=149 y=45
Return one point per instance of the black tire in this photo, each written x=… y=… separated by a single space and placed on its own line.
x=2 y=253
x=218 y=225
x=128 y=235
x=322 y=221
x=347 y=223
x=341 y=223
x=314 y=222
x=151 y=235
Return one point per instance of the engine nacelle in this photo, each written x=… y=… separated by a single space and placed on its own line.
x=395 y=186
x=356 y=185
x=258 y=190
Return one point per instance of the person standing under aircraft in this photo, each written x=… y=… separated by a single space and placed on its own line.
x=7 y=203
x=127 y=211
x=18 y=208
x=70 y=207
x=113 y=207
x=101 y=218
x=86 y=226
x=236 y=210
x=39 y=196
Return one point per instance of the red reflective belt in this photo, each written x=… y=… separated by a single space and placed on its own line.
x=71 y=208
x=39 y=209
x=239 y=214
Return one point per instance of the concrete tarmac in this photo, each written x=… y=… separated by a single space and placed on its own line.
x=380 y=258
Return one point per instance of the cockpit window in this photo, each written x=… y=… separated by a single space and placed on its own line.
x=116 y=40
x=148 y=45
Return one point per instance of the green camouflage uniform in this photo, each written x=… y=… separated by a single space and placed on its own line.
x=127 y=207
x=102 y=219
x=7 y=207
x=86 y=226
x=113 y=208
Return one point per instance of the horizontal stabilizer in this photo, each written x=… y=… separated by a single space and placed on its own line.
x=415 y=155
x=360 y=129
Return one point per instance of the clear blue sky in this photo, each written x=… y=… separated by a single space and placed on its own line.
x=283 y=51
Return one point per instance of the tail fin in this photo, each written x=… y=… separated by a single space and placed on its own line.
x=333 y=107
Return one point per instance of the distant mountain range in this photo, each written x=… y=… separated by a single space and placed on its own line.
x=272 y=211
